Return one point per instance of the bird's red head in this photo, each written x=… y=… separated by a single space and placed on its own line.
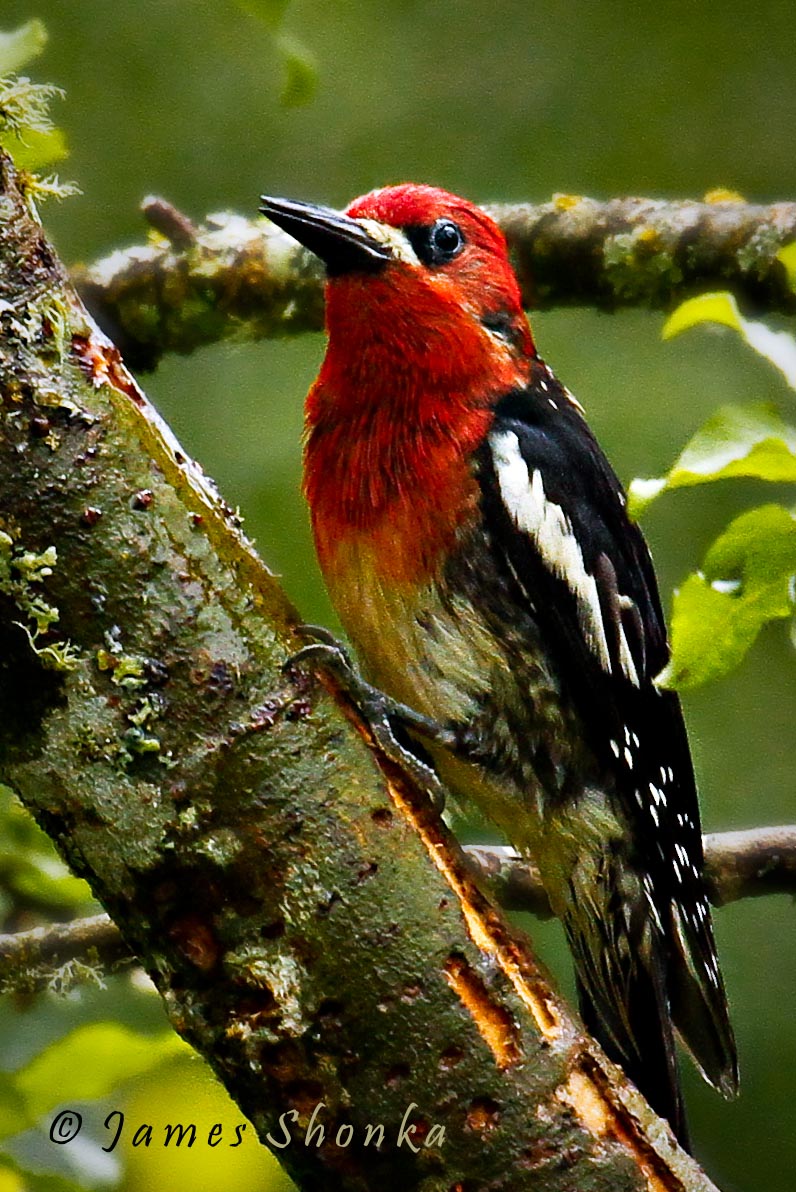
x=417 y=277
x=426 y=333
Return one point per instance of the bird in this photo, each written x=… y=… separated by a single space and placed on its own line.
x=476 y=545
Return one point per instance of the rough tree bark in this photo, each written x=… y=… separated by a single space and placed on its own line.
x=314 y=931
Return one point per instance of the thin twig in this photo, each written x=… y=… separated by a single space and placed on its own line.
x=242 y=279
x=61 y=953
x=165 y=218
x=737 y=865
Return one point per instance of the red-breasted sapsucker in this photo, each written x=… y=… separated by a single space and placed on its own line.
x=476 y=545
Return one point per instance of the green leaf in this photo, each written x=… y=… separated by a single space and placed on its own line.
x=747 y=580
x=705 y=308
x=751 y=441
x=778 y=347
x=19 y=47
x=90 y=1062
x=14 y=1115
x=300 y=80
x=29 y=865
x=788 y=257
x=301 y=73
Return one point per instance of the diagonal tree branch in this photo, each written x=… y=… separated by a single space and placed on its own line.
x=234 y=278
x=313 y=929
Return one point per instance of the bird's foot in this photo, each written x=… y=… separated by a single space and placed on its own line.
x=387 y=719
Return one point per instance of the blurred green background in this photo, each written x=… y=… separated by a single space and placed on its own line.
x=511 y=100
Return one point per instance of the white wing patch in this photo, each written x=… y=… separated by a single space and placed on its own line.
x=625 y=655
x=550 y=529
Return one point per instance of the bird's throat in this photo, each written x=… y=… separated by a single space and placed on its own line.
x=388 y=487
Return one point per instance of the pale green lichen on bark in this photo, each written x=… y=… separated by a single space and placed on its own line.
x=638 y=263
x=759 y=252
x=235 y=279
x=22 y=574
x=238 y=279
x=25 y=124
x=25 y=106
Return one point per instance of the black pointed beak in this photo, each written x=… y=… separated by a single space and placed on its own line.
x=342 y=243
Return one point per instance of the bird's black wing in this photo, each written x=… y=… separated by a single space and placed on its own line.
x=558 y=522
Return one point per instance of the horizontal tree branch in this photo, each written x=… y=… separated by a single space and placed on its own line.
x=738 y=865
x=242 y=279
x=751 y=863
x=649 y=252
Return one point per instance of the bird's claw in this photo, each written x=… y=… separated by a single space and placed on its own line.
x=323 y=655
x=376 y=708
x=323 y=636
x=328 y=654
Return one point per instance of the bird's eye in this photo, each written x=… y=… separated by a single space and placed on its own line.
x=446 y=238
x=438 y=244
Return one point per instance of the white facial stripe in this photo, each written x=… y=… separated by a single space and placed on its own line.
x=394 y=238
x=552 y=535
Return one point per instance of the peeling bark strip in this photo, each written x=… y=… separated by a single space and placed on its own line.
x=608 y=1111
x=238 y=279
x=235 y=826
x=490 y=934
x=495 y=1025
